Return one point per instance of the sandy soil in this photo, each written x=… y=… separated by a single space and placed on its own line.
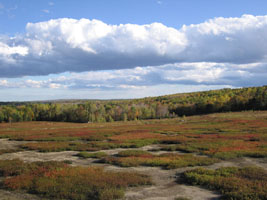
x=165 y=187
x=8 y=144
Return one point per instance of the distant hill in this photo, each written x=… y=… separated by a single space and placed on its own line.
x=252 y=98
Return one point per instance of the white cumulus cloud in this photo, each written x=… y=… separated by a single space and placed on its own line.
x=231 y=40
x=224 y=51
x=8 y=53
x=82 y=45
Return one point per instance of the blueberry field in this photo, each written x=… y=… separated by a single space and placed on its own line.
x=214 y=156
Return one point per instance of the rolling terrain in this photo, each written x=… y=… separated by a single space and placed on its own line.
x=199 y=157
x=162 y=107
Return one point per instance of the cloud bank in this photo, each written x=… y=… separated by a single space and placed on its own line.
x=228 y=47
x=140 y=78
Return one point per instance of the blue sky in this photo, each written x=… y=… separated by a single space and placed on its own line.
x=129 y=48
x=175 y=13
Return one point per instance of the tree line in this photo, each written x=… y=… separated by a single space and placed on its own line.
x=253 y=98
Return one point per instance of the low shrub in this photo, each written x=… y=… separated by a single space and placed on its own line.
x=92 y=155
x=181 y=198
x=89 y=146
x=57 y=180
x=128 y=153
x=60 y=146
x=234 y=183
x=167 y=160
x=17 y=167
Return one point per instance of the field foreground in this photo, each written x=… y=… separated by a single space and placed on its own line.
x=152 y=159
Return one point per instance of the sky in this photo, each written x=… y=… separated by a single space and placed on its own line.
x=117 y=49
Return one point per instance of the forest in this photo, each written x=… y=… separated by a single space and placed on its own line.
x=168 y=106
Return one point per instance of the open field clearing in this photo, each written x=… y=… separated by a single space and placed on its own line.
x=151 y=159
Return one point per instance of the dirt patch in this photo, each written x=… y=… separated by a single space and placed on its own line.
x=8 y=195
x=240 y=162
x=165 y=180
x=145 y=148
x=10 y=144
x=165 y=187
x=33 y=156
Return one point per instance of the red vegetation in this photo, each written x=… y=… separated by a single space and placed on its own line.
x=60 y=181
